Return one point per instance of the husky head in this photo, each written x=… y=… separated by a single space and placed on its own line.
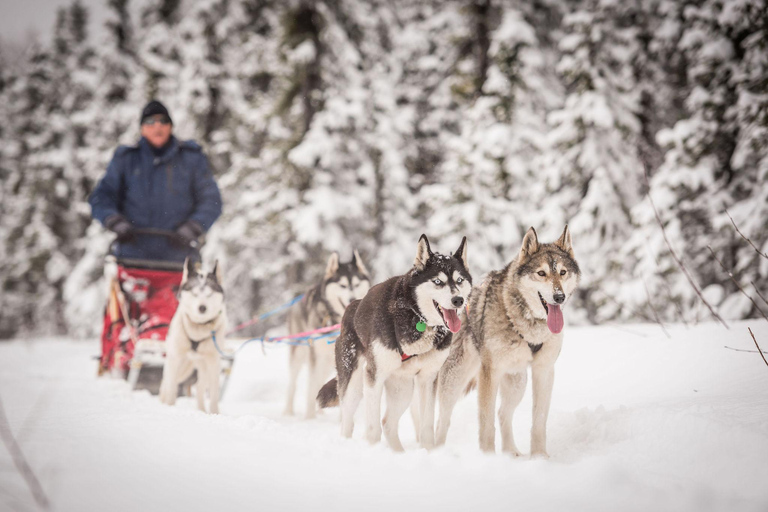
x=201 y=296
x=547 y=275
x=345 y=282
x=441 y=284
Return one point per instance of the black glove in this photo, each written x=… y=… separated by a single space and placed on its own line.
x=121 y=227
x=188 y=233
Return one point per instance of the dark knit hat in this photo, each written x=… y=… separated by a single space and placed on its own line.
x=153 y=108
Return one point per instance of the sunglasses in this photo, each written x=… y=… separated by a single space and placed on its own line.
x=152 y=120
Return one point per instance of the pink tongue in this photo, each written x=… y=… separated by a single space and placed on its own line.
x=451 y=316
x=554 y=318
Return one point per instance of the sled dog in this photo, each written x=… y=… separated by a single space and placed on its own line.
x=515 y=321
x=189 y=345
x=398 y=333
x=322 y=306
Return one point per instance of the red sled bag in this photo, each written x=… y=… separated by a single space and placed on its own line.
x=139 y=310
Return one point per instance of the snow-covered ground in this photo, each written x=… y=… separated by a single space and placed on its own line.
x=638 y=422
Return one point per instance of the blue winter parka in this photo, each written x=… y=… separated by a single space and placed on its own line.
x=159 y=190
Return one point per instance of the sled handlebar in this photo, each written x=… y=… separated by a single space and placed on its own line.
x=195 y=245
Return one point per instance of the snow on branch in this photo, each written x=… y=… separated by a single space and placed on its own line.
x=758 y=292
x=677 y=259
x=730 y=274
x=745 y=238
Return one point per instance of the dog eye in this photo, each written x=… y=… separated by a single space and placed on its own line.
x=343 y=286
x=562 y=272
x=460 y=280
x=437 y=282
x=541 y=273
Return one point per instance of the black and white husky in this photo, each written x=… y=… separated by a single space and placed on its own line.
x=400 y=332
x=189 y=345
x=322 y=306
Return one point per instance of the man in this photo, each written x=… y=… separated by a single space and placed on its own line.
x=160 y=183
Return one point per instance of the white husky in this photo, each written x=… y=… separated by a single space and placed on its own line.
x=189 y=345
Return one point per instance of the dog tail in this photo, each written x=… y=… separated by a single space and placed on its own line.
x=329 y=394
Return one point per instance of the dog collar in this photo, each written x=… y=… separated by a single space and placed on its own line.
x=421 y=325
x=196 y=343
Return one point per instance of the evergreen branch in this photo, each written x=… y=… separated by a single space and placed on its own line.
x=758 y=251
x=21 y=462
x=758 y=292
x=730 y=274
x=758 y=346
x=677 y=259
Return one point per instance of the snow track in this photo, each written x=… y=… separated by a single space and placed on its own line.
x=638 y=422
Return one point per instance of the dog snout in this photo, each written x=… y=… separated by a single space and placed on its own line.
x=202 y=308
x=559 y=297
x=457 y=302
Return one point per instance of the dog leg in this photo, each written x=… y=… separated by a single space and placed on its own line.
x=399 y=393
x=312 y=386
x=543 y=380
x=427 y=393
x=349 y=402
x=169 y=385
x=416 y=413
x=511 y=390
x=295 y=362
x=487 y=388
x=319 y=371
x=214 y=369
x=373 y=386
x=202 y=384
x=452 y=381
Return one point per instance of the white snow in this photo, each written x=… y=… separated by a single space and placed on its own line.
x=638 y=422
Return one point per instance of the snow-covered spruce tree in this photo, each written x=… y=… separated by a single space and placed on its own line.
x=112 y=120
x=159 y=41
x=502 y=87
x=45 y=210
x=745 y=24
x=702 y=173
x=593 y=169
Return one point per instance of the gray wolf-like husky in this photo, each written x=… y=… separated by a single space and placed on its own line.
x=515 y=321
x=323 y=305
x=189 y=345
x=400 y=332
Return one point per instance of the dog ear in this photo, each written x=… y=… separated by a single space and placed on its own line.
x=564 y=242
x=333 y=265
x=358 y=262
x=423 y=253
x=530 y=245
x=188 y=269
x=216 y=272
x=461 y=252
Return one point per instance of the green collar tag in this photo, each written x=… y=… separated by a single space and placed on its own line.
x=421 y=326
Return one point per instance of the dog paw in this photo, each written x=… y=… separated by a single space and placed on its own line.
x=540 y=454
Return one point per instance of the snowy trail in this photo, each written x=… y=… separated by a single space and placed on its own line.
x=638 y=422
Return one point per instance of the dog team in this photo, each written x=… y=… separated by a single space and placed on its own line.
x=427 y=336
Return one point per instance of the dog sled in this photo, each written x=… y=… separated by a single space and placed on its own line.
x=141 y=302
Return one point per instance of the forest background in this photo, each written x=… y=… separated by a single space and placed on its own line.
x=334 y=125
